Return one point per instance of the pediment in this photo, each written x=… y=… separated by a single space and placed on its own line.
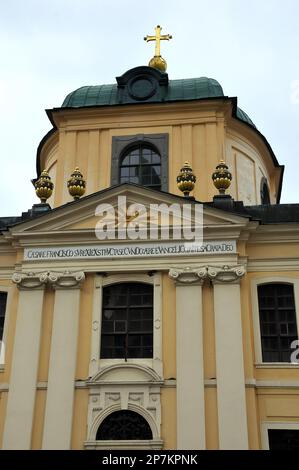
x=120 y=373
x=81 y=217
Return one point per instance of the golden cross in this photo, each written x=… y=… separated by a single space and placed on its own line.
x=158 y=37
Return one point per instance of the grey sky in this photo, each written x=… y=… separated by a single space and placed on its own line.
x=51 y=47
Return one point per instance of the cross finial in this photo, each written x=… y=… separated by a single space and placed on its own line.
x=158 y=61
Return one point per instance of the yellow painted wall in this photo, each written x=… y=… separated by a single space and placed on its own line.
x=199 y=133
x=168 y=426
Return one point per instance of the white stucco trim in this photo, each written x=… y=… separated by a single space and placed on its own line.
x=22 y=387
x=190 y=368
x=232 y=413
x=62 y=366
x=111 y=409
x=155 y=444
x=256 y=317
x=102 y=281
x=265 y=425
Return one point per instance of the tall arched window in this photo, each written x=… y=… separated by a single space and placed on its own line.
x=124 y=425
x=127 y=321
x=278 y=323
x=141 y=164
x=3 y=301
x=265 y=195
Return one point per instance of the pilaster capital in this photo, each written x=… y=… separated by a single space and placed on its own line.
x=58 y=280
x=188 y=275
x=27 y=281
x=226 y=274
x=66 y=279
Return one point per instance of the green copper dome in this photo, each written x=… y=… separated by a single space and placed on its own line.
x=177 y=90
x=169 y=91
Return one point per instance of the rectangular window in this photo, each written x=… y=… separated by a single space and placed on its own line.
x=3 y=300
x=127 y=321
x=283 y=439
x=277 y=321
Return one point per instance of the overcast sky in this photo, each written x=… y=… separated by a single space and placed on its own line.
x=51 y=47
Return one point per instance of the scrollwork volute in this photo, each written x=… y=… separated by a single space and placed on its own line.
x=216 y=274
x=30 y=280
x=226 y=274
x=57 y=280
x=188 y=275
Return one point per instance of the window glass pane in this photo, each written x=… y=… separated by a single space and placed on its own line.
x=157 y=170
x=3 y=300
x=283 y=439
x=141 y=166
x=125 y=171
x=133 y=171
x=156 y=158
x=120 y=325
x=134 y=159
x=126 y=160
x=277 y=321
x=123 y=325
x=146 y=157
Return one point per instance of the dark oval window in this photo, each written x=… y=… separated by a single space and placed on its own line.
x=124 y=425
x=141 y=165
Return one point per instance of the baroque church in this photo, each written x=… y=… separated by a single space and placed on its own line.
x=138 y=343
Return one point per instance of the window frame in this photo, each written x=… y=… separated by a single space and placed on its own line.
x=266 y=425
x=96 y=363
x=140 y=166
x=264 y=183
x=8 y=290
x=120 y=144
x=256 y=317
x=128 y=310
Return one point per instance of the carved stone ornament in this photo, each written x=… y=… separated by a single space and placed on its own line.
x=216 y=274
x=226 y=274
x=30 y=280
x=188 y=275
x=62 y=280
x=66 y=279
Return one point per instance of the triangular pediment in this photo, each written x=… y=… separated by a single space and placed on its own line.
x=81 y=217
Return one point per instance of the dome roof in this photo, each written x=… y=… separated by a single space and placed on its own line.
x=176 y=90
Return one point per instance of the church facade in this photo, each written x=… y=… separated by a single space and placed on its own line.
x=126 y=343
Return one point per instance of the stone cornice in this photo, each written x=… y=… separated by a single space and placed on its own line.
x=56 y=279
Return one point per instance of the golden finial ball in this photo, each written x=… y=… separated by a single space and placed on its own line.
x=157 y=62
x=222 y=177
x=44 y=187
x=186 y=179
x=76 y=184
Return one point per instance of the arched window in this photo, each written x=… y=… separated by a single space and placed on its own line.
x=141 y=164
x=278 y=323
x=127 y=321
x=124 y=425
x=3 y=301
x=265 y=196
